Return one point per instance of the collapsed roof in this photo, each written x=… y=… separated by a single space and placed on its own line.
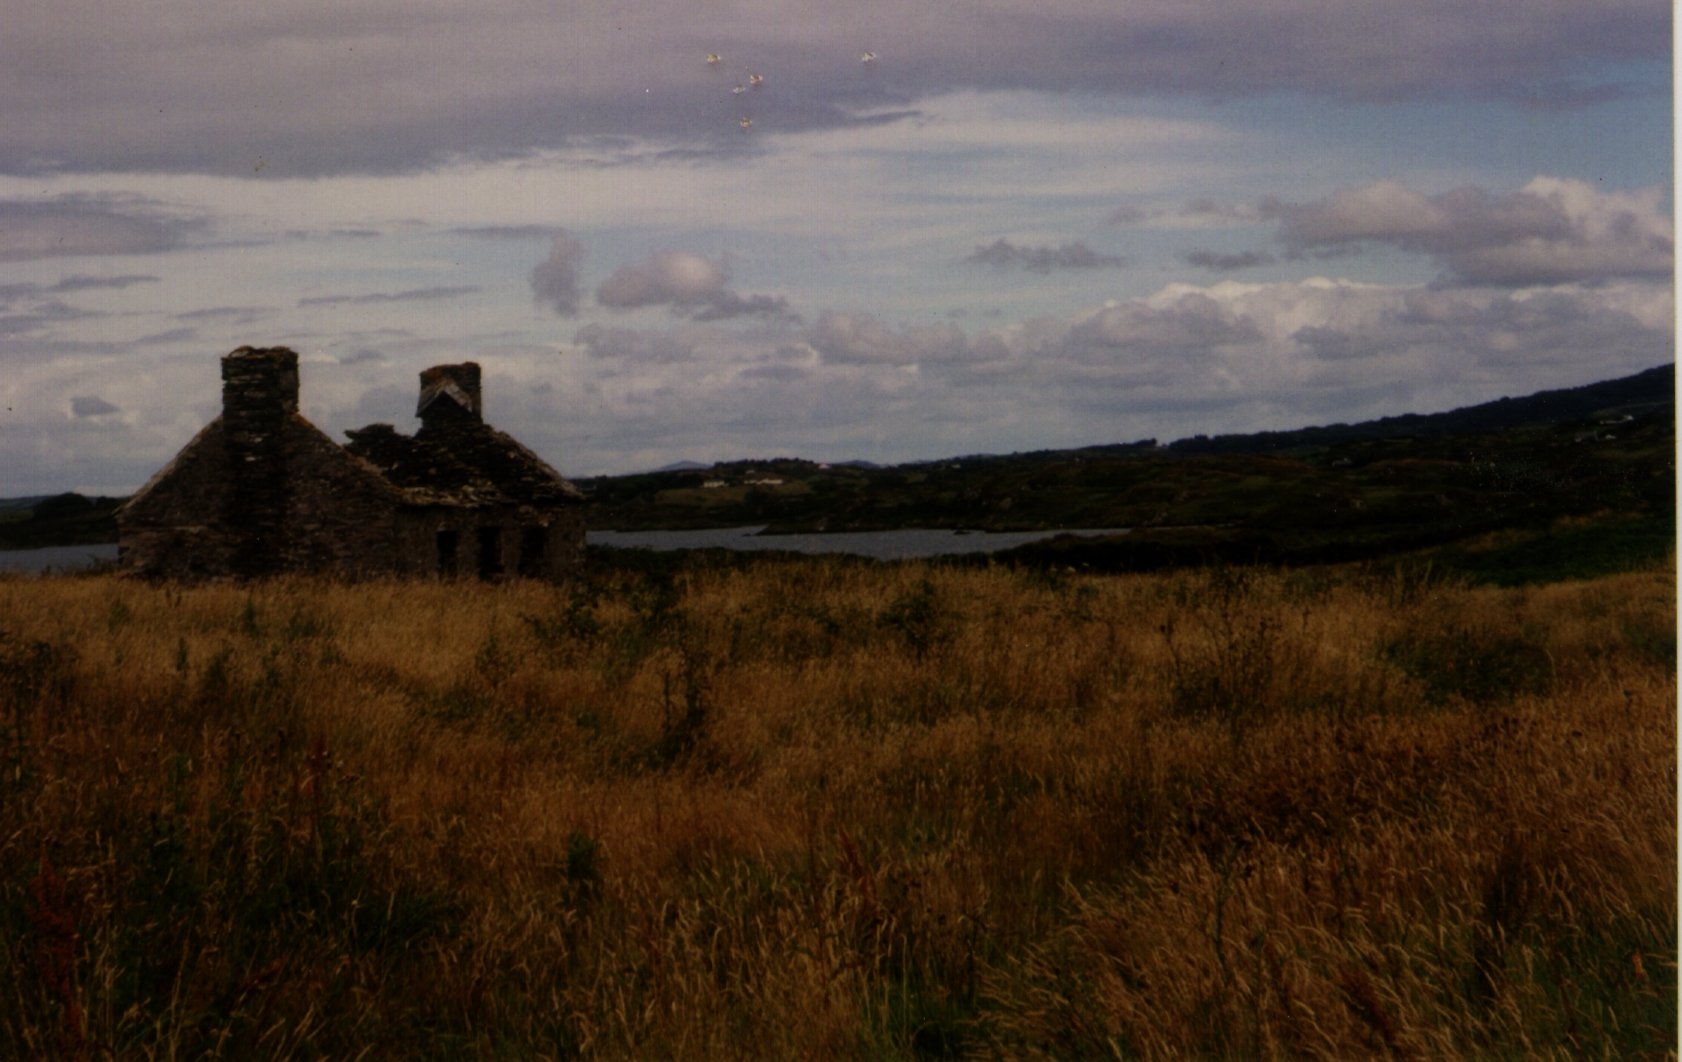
x=456 y=458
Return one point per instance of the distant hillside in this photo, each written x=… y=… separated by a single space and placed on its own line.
x=1631 y=395
x=58 y=520
x=681 y=466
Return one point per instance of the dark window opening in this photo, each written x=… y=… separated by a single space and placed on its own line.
x=533 y=537
x=490 y=552
x=448 y=543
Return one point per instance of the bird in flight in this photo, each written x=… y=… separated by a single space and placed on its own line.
x=755 y=80
x=713 y=59
x=868 y=57
x=738 y=90
x=747 y=123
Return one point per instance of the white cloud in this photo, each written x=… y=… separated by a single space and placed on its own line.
x=1551 y=230
x=1075 y=255
x=851 y=338
x=668 y=278
x=555 y=280
x=688 y=284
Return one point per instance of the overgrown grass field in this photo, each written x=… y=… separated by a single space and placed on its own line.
x=829 y=809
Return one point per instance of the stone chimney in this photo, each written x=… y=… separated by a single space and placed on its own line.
x=450 y=392
x=259 y=393
x=260 y=383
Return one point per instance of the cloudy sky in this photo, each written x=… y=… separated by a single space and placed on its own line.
x=882 y=229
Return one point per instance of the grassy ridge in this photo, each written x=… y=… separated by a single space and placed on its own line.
x=1645 y=392
x=833 y=809
x=1365 y=497
x=1566 y=549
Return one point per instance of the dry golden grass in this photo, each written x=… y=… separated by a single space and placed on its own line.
x=820 y=809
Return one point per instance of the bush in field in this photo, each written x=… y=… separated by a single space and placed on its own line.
x=1480 y=666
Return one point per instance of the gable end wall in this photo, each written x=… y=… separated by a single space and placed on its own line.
x=318 y=510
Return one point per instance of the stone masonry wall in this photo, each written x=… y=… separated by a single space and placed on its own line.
x=564 y=548
x=340 y=516
x=563 y=541
x=259 y=395
x=316 y=509
x=175 y=529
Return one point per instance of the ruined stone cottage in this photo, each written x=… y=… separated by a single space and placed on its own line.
x=261 y=491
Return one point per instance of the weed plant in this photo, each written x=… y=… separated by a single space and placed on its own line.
x=827 y=809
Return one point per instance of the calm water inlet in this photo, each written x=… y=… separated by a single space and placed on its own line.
x=903 y=544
